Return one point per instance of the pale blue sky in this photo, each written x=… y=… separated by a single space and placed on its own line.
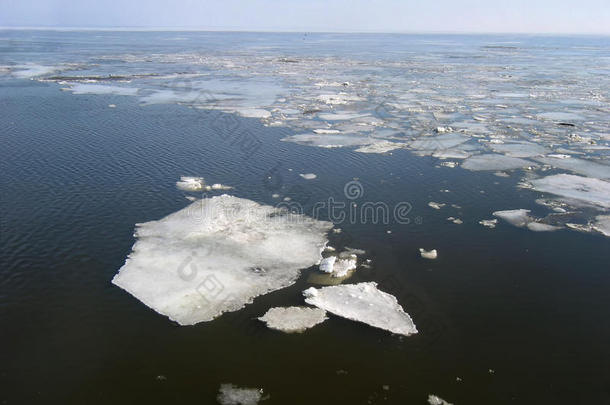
x=548 y=16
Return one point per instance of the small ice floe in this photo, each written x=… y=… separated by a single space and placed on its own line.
x=580 y=166
x=111 y=105
x=275 y=196
x=293 y=319
x=436 y=400
x=450 y=164
x=489 y=223
x=589 y=190
x=435 y=205
x=455 y=220
x=521 y=218
x=218 y=186
x=365 y=303
x=602 y=224
x=323 y=131
x=502 y=174
x=381 y=147
x=518 y=218
x=253 y=113
x=451 y=154
x=308 y=176
x=230 y=394
x=188 y=183
x=492 y=161
x=338 y=267
x=86 y=88
x=428 y=254
x=218 y=254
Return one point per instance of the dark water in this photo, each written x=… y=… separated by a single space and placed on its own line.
x=76 y=176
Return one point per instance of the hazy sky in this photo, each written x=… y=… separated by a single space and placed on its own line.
x=552 y=16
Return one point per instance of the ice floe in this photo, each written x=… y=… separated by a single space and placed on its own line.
x=494 y=162
x=489 y=223
x=218 y=254
x=230 y=394
x=518 y=217
x=189 y=183
x=363 y=302
x=86 y=88
x=589 y=190
x=308 y=176
x=293 y=319
x=435 y=205
x=428 y=254
x=436 y=400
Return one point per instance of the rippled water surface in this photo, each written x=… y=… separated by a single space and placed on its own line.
x=97 y=127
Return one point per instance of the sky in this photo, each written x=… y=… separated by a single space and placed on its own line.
x=519 y=16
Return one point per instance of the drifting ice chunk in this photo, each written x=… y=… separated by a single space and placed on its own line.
x=363 y=303
x=580 y=166
x=86 y=88
x=308 y=176
x=428 y=254
x=188 y=183
x=493 y=161
x=293 y=319
x=338 y=267
x=435 y=205
x=590 y=190
x=231 y=395
x=540 y=227
x=602 y=224
x=381 y=147
x=518 y=218
x=218 y=254
x=435 y=400
x=489 y=223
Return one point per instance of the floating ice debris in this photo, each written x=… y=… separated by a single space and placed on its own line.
x=602 y=224
x=293 y=319
x=440 y=142
x=589 y=190
x=436 y=400
x=338 y=267
x=502 y=174
x=455 y=220
x=363 y=303
x=580 y=166
x=337 y=99
x=428 y=254
x=560 y=116
x=520 y=150
x=435 y=205
x=218 y=254
x=86 y=88
x=540 y=227
x=229 y=394
x=275 y=196
x=489 y=223
x=188 y=183
x=308 y=176
x=218 y=186
x=32 y=70
x=518 y=218
x=326 y=131
x=449 y=164
x=253 y=113
x=451 y=154
x=494 y=162
x=381 y=147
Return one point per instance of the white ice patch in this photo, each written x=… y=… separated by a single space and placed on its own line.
x=540 y=227
x=381 y=147
x=488 y=223
x=32 y=70
x=253 y=113
x=518 y=218
x=293 y=319
x=308 y=176
x=602 y=224
x=435 y=205
x=428 y=254
x=338 y=267
x=363 y=303
x=436 y=400
x=581 y=166
x=218 y=254
x=520 y=150
x=229 y=394
x=85 y=88
x=589 y=190
x=188 y=183
x=440 y=142
x=494 y=162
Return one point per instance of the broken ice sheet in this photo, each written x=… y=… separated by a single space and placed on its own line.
x=230 y=394
x=293 y=319
x=363 y=302
x=493 y=161
x=589 y=190
x=436 y=400
x=218 y=254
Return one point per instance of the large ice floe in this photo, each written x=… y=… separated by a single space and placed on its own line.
x=293 y=319
x=588 y=190
x=365 y=303
x=230 y=394
x=218 y=254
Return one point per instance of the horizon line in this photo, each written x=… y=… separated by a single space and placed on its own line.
x=287 y=31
